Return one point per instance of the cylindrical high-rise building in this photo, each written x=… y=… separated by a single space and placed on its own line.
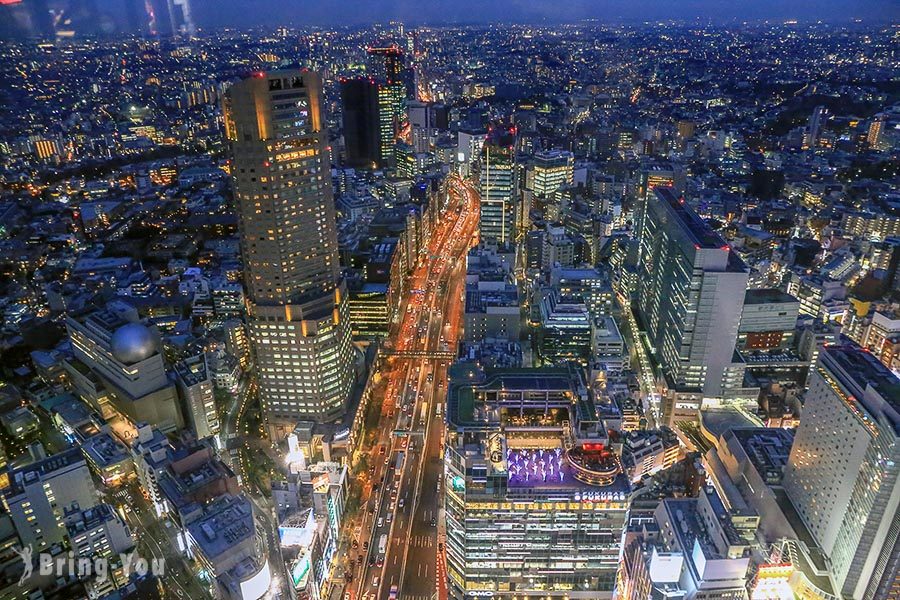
x=299 y=324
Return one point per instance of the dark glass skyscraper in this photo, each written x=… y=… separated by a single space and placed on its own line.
x=359 y=99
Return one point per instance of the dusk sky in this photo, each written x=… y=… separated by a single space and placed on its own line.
x=334 y=12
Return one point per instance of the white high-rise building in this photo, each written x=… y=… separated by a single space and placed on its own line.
x=842 y=475
x=690 y=294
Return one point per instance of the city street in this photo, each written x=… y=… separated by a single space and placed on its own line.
x=398 y=538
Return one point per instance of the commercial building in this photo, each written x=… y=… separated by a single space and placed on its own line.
x=126 y=357
x=746 y=467
x=299 y=318
x=37 y=495
x=391 y=97
x=607 y=346
x=768 y=320
x=149 y=452
x=100 y=533
x=646 y=453
x=224 y=542
x=716 y=556
x=815 y=293
x=109 y=459
x=195 y=386
x=842 y=475
x=370 y=313
x=492 y=311
x=550 y=171
x=536 y=501
x=690 y=293
x=588 y=285
x=191 y=477
x=567 y=332
x=882 y=338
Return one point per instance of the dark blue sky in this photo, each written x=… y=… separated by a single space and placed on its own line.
x=336 y=12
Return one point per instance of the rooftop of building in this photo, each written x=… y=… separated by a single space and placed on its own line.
x=639 y=439
x=492 y=353
x=717 y=421
x=73 y=412
x=700 y=231
x=469 y=384
x=479 y=300
x=103 y=450
x=78 y=519
x=687 y=523
x=768 y=296
x=861 y=370
x=553 y=155
x=179 y=488
x=38 y=470
x=542 y=468
x=192 y=371
x=768 y=448
x=226 y=522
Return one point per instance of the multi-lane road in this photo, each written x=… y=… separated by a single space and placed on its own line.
x=397 y=542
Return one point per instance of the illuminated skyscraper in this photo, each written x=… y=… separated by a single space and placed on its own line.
x=299 y=321
x=497 y=184
x=842 y=475
x=393 y=90
x=550 y=171
x=391 y=115
x=392 y=67
x=876 y=132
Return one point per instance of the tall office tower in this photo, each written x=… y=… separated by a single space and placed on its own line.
x=391 y=116
x=536 y=506
x=394 y=88
x=842 y=475
x=421 y=122
x=359 y=106
x=650 y=178
x=690 y=293
x=550 y=171
x=392 y=69
x=814 y=128
x=299 y=318
x=39 y=493
x=497 y=184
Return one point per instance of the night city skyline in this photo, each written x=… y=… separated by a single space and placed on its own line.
x=400 y=300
